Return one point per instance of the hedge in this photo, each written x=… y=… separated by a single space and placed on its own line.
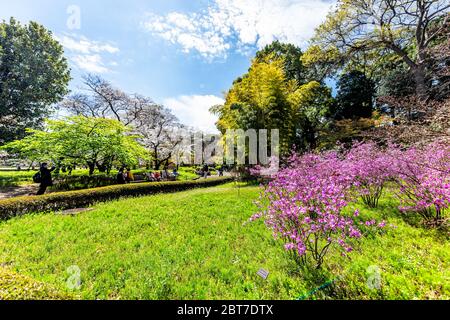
x=83 y=198
x=72 y=183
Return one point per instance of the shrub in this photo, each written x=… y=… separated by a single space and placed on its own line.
x=423 y=179
x=371 y=170
x=69 y=183
x=303 y=205
x=14 y=286
x=83 y=198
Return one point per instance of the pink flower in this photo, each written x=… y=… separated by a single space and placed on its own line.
x=289 y=246
x=305 y=200
x=382 y=224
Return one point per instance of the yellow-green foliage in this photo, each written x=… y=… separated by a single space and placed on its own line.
x=80 y=140
x=265 y=98
x=14 y=286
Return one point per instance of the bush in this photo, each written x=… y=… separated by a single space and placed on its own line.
x=303 y=206
x=371 y=170
x=83 y=198
x=14 y=286
x=423 y=180
x=70 y=183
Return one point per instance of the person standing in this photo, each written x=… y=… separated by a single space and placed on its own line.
x=129 y=176
x=45 y=179
x=121 y=177
x=205 y=171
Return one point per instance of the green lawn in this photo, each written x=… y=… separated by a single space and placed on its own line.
x=195 y=245
x=15 y=178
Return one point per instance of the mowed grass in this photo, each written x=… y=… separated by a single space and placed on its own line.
x=15 y=178
x=198 y=245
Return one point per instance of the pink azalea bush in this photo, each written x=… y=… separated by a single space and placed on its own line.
x=371 y=170
x=423 y=179
x=303 y=206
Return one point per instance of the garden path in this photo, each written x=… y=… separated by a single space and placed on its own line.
x=25 y=190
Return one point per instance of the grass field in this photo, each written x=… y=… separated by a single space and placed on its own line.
x=197 y=245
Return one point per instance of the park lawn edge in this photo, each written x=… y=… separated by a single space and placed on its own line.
x=83 y=198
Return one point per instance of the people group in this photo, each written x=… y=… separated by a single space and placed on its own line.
x=163 y=175
x=126 y=176
x=205 y=171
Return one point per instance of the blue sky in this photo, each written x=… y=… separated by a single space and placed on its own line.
x=184 y=54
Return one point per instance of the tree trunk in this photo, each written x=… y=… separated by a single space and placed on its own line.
x=157 y=162
x=91 y=166
x=101 y=167
x=419 y=78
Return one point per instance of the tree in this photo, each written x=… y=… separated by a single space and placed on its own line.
x=396 y=80
x=78 y=140
x=402 y=27
x=265 y=99
x=105 y=101
x=355 y=96
x=33 y=75
x=322 y=63
x=311 y=104
x=155 y=124
x=438 y=61
x=157 y=128
x=258 y=100
x=291 y=55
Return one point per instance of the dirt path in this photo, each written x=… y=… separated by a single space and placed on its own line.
x=11 y=192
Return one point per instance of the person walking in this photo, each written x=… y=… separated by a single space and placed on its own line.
x=45 y=178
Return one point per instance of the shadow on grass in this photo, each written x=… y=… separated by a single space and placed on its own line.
x=14 y=178
x=415 y=220
x=389 y=208
x=320 y=282
x=9 y=183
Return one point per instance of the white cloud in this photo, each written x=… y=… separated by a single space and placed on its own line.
x=238 y=24
x=90 y=63
x=88 y=55
x=194 y=110
x=84 y=45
